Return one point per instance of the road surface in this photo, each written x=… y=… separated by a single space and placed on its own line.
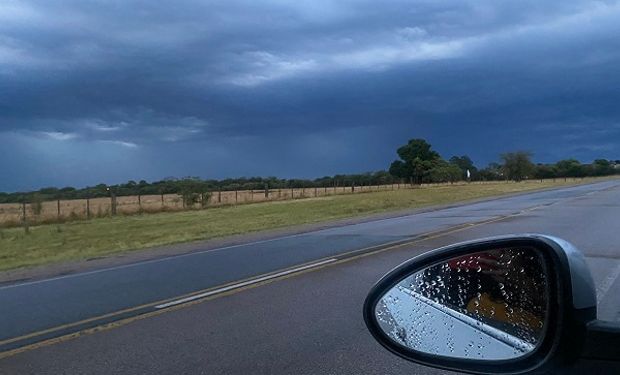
x=203 y=312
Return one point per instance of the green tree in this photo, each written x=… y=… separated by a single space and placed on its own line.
x=602 y=167
x=400 y=169
x=545 y=171
x=492 y=172
x=192 y=189
x=417 y=159
x=36 y=204
x=517 y=165
x=445 y=172
x=570 y=168
x=464 y=163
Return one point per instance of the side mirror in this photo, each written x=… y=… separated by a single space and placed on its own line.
x=501 y=305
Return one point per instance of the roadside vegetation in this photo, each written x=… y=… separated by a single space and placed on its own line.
x=418 y=163
x=109 y=235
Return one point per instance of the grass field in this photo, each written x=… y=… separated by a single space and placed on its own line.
x=49 y=212
x=99 y=237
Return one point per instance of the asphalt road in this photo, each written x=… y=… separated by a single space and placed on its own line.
x=302 y=323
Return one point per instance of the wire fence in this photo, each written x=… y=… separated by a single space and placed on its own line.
x=59 y=211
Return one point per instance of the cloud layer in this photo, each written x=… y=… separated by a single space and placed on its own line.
x=96 y=91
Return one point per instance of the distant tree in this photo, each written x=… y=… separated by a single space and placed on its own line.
x=602 y=167
x=382 y=178
x=48 y=191
x=517 y=165
x=36 y=203
x=445 y=172
x=570 y=168
x=400 y=169
x=464 y=163
x=417 y=159
x=492 y=172
x=191 y=190
x=545 y=171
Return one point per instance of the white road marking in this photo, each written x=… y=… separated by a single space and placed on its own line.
x=603 y=288
x=162 y=259
x=242 y=284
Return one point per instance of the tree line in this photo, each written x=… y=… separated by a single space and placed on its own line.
x=418 y=163
x=192 y=187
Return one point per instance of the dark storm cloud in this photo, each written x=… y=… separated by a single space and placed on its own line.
x=227 y=88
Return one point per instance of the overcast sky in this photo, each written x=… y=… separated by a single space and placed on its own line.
x=107 y=91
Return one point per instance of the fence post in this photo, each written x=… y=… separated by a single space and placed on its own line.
x=139 y=203
x=266 y=191
x=24 y=219
x=236 y=196
x=113 y=203
x=58 y=209
x=352 y=187
x=162 y=200
x=219 y=196
x=87 y=208
x=292 y=193
x=315 y=192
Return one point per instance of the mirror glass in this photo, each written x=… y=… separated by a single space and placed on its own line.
x=487 y=305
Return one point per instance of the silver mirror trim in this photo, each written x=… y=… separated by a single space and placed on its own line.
x=584 y=292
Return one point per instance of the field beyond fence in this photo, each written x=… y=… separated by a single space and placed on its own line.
x=57 y=211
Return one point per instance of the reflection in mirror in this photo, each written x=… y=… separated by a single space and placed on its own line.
x=485 y=305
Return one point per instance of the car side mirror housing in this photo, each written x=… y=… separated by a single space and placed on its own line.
x=502 y=305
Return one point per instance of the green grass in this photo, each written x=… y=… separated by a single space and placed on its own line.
x=99 y=237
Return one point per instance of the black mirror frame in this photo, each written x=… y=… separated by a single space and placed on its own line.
x=566 y=329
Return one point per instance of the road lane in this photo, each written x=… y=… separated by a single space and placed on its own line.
x=35 y=306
